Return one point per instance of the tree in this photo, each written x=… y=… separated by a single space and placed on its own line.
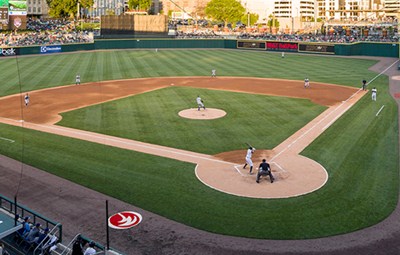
x=253 y=18
x=225 y=10
x=273 y=22
x=199 y=10
x=67 y=8
x=139 y=5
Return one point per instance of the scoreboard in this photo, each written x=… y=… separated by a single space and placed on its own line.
x=3 y=18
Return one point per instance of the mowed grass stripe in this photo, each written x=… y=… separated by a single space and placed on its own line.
x=145 y=63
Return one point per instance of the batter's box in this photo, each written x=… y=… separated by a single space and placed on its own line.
x=279 y=172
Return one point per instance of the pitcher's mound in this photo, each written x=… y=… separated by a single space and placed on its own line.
x=207 y=114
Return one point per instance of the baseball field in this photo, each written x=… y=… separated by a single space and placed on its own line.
x=359 y=150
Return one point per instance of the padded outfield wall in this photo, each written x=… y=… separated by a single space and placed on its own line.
x=360 y=48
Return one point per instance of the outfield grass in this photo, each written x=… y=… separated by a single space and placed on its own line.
x=263 y=121
x=53 y=70
x=360 y=151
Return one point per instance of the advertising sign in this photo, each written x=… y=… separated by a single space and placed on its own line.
x=124 y=220
x=317 y=48
x=17 y=7
x=5 y=52
x=4 y=3
x=50 y=49
x=257 y=45
x=282 y=46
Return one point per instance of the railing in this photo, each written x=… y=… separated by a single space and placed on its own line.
x=14 y=208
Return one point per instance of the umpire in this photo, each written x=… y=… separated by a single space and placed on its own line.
x=264 y=169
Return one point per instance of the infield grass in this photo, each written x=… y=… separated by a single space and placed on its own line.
x=360 y=151
x=263 y=121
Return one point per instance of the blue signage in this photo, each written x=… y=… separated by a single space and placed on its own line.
x=50 y=49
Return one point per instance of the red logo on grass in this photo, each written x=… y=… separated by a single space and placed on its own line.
x=124 y=220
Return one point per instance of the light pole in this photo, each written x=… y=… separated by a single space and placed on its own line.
x=248 y=19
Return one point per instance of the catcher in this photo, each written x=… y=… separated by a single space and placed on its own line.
x=264 y=169
x=200 y=103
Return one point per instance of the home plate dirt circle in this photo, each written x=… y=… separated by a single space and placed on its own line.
x=203 y=114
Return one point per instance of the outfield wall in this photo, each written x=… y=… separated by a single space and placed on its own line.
x=354 y=49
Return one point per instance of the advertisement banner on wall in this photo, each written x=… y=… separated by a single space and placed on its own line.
x=17 y=7
x=7 y=52
x=282 y=46
x=50 y=49
x=317 y=48
x=256 y=45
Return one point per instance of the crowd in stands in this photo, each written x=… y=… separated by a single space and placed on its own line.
x=336 y=38
x=32 y=236
x=206 y=34
x=51 y=32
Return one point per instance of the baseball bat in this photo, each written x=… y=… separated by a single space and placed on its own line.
x=249 y=145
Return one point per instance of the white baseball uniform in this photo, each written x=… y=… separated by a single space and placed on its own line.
x=374 y=91
x=248 y=157
x=78 y=79
x=213 y=73
x=199 y=103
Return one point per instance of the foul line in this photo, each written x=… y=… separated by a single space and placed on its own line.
x=131 y=142
x=383 y=106
x=337 y=117
x=384 y=71
x=343 y=102
x=6 y=139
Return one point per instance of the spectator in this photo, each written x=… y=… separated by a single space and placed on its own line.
x=33 y=233
x=77 y=247
x=90 y=250
x=3 y=250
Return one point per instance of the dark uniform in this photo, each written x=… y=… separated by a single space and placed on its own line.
x=364 y=85
x=264 y=169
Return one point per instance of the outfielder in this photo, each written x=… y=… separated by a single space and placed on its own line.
x=283 y=54
x=200 y=103
x=249 y=162
x=26 y=98
x=77 y=79
x=306 y=83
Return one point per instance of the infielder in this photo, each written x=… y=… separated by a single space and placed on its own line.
x=306 y=83
x=200 y=103
x=213 y=73
x=249 y=162
x=26 y=98
x=374 y=91
x=77 y=79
